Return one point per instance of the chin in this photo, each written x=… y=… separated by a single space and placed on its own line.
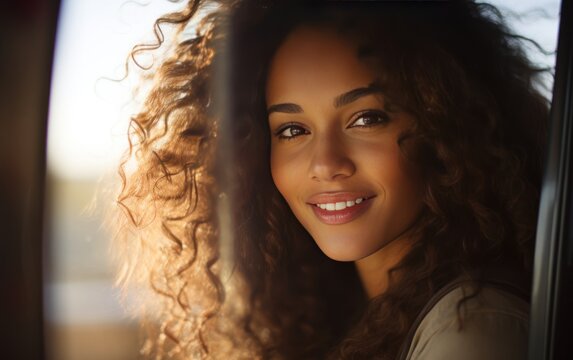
x=340 y=256
x=343 y=250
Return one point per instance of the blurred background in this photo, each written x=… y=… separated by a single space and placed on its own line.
x=87 y=126
x=90 y=103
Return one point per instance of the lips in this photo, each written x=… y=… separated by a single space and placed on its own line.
x=339 y=208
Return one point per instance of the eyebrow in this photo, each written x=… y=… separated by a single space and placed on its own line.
x=341 y=100
x=353 y=95
x=288 y=108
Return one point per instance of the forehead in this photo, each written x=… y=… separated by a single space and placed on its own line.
x=316 y=61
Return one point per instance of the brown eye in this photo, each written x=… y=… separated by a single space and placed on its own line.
x=370 y=118
x=290 y=132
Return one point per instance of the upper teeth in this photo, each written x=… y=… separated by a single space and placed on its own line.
x=340 y=205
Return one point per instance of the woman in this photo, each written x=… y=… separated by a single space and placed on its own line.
x=382 y=170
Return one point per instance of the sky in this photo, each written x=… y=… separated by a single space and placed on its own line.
x=89 y=113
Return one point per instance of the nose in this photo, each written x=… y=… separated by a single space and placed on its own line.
x=330 y=160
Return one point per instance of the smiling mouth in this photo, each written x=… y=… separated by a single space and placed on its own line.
x=341 y=212
x=341 y=205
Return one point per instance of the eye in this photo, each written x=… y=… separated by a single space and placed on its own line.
x=370 y=118
x=290 y=131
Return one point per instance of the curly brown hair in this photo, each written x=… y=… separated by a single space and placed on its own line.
x=233 y=272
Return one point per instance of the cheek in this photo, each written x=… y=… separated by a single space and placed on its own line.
x=405 y=190
x=411 y=176
x=383 y=162
x=281 y=173
x=398 y=178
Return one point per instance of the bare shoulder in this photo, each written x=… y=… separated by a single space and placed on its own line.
x=494 y=326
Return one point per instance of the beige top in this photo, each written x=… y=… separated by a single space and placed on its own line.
x=495 y=327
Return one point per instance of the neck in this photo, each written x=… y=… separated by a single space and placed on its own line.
x=374 y=269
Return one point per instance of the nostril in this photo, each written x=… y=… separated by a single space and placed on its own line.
x=327 y=171
x=329 y=158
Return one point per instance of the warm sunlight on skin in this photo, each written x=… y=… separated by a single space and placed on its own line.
x=335 y=155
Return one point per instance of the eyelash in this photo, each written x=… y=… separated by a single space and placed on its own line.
x=382 y=118
x=291 y=126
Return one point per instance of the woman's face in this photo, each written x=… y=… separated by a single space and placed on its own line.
x=335 y=156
